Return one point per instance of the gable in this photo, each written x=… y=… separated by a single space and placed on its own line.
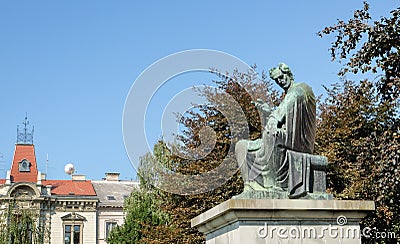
x=73 y=217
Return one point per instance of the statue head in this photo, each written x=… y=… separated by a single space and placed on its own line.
x=282 y=76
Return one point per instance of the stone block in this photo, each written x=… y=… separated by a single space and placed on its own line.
x=283 y=221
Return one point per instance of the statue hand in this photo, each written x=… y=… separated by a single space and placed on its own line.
x=261 y=105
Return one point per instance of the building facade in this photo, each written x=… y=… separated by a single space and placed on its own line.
x=111 y=193
x=72 y=211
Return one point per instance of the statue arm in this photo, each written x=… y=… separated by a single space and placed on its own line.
x=278 y=116
x=264 y=109
x=277 y=120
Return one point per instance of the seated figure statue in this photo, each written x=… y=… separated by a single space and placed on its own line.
x=280 y=164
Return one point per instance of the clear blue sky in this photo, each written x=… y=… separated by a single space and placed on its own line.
x=70 y=64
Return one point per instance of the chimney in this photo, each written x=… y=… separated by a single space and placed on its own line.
x=78 y=177
x=8 y=178
x=48 y=190
x=39 y=178
x=112 y=176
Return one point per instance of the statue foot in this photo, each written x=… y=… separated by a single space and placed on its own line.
x=277 y=188
x=253 y=190
x=254 y=186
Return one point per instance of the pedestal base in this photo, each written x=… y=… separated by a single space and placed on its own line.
x=283 y=221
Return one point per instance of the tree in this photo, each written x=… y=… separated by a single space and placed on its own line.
x=379 y=53
x=362 y=150
x=153 y=166
x=143 y=213
x=209 y=135
x=347 y=119
x=145 y=216
x=361 y=119
x=21 y=226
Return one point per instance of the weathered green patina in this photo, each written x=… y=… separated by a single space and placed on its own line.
x=281 y=164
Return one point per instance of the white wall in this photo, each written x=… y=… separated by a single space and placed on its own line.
x=88 y=230
x=108 y=215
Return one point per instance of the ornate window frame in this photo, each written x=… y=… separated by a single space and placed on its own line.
x=24 y=166
x=73 y=219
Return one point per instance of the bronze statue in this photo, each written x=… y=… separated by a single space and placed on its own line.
x=281 y=164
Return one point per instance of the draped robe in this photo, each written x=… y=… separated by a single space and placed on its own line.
x=281 y=159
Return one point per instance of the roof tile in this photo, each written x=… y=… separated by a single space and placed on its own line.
x=70 y=187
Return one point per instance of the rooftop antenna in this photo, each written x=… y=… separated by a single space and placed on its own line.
x=47 y=162
x=25 y=137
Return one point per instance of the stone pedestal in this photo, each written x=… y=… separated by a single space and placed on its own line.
x=284 y=221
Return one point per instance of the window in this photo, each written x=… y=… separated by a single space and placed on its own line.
x=109 y=227
x=72 y=234
x=110 y=197
x=67 y=234
x=77 y=234
x=24 y=166
x=73 y=224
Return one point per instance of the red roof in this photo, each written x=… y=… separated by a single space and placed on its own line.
x=59 y=187
x=2 y=181
x=21 y=152
x=70 y=187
